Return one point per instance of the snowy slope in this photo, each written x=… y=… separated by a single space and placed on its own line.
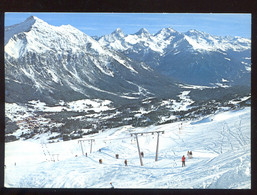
x=220 y=145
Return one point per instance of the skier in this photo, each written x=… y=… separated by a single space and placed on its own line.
x=191 y=154
x=188 y=154
x=183 y=161
x=111 y=185
x=126 y=162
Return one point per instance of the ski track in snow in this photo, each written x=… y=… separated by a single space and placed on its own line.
x=221 y=158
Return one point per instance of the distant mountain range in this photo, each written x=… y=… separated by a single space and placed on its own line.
x=52 y=63
x=193 y=57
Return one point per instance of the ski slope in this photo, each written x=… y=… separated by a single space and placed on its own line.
x=220 y=144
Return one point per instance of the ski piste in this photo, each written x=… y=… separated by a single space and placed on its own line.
x=220 y=146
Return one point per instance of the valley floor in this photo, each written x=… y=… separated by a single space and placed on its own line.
x=220 y=143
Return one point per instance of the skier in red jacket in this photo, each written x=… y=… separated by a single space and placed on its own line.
x=183 y=161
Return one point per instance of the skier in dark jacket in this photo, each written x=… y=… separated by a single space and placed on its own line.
x=183 y=161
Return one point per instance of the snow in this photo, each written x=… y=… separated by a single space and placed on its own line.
x=13 y=109
x=80 y=105
x=123 y=62
x=240 y=100
x=10 y=31
x=196 y=45
x=142 y=39
x=168 y=38
x=222 y=85
x=224 y=80
x=248 y=68
x=221 y=157
x=187 y=86
x=53 y=75
x=14 y=48
x=141 y=91
x=88 y=104
x=202 y=41
x=40 y=37
x=182 y=104
x=19 y=113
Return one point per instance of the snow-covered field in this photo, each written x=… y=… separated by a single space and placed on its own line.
x=220 y=144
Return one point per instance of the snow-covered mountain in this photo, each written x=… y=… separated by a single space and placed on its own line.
x=193 y=57
x=46 y=62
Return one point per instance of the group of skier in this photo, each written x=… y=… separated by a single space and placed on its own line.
x=189 y=154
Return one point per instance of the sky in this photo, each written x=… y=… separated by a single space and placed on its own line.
x=99 y=24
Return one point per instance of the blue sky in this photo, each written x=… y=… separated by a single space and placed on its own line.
x=105 y=23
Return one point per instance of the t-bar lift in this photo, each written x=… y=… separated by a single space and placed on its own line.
x=157 y=146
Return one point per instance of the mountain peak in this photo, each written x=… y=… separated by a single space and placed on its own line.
x=142 y=31
x=166 y=32
x=169 y=29
x=118 y=32
x=195 y=32
x=32 y=20
x=25 y=26
x=40 y=37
